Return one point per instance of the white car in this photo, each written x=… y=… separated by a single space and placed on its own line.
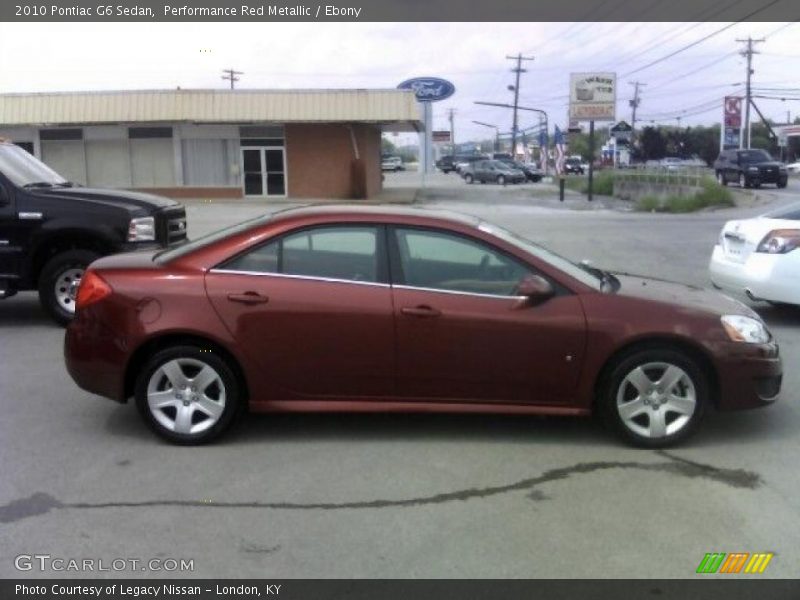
x=760 y=257
x=793 y=168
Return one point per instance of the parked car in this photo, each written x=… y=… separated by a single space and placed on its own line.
x=749 y=168
x=793 y=168
x=466 y=160
x=357 y=308
x=52 y=229
x=392 y=163
x=671 y=163
x=574 y=165
x=531 y=171
x=495 y=171
x=759 y=257
x=446 y=164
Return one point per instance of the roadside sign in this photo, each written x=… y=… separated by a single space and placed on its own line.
x=441 y=136
x=592 y=96
x=429 y=89
x=733 y=111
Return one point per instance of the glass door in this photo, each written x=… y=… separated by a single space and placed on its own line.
x=264 y=171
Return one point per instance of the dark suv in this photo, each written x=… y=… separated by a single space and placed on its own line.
x=51 y=229
x=749 y=168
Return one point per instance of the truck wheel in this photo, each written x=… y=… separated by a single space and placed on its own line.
x=783 y=183
x=501 y=180
x=468 y=178
x=721 y=179
x=58 y=283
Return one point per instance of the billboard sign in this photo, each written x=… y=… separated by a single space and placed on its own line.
x=593 y=96
x=733 y=111
x=441 y=135
x=429 y=89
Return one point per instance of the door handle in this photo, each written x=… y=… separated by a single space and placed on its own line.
x=420 y=311
x=248 y=298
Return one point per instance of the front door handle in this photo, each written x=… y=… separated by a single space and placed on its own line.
x=248 y=298
x=420 y=311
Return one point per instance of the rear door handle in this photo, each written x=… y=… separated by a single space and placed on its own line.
x=248 y=298
x=420 y=311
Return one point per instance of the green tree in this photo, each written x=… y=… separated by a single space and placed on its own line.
x=652 y=143
x=387 y=147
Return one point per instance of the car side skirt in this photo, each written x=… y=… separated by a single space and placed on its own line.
x=378 y=405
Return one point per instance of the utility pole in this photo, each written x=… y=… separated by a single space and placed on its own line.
x=231 y=75
x=450 y=114
x=748 y=100
x=515 y=88
x=634 y=104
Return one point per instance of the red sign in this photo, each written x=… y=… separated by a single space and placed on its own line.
x=733 y=111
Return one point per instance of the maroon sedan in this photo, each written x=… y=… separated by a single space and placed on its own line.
x=394 y=309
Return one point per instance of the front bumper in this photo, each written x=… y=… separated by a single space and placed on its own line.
x=750 y=375
x=773 y=277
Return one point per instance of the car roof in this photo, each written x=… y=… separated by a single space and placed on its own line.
x=381 y=211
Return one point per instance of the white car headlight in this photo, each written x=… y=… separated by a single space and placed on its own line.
x=142 y=229
x=745 y=329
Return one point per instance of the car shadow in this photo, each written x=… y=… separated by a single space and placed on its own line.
x=24 y=310
x=777 y=314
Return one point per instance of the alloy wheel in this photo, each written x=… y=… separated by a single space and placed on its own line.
x=186 y=396
x=656 y=400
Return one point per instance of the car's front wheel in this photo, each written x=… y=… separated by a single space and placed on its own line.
x=782 y=183
x=59 y=281
x=654 y=397
x=501 y=179
x=187 y=394
x=721 y=178
x=469 y=178
x=743 y=183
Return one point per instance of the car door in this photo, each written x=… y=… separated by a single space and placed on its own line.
x=313 y=311
x=462 y=333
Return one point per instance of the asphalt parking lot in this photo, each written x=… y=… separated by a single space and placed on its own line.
x=341 y=496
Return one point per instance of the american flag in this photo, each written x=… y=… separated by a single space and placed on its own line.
x=558 y=139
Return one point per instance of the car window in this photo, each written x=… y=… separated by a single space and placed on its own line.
x=348 y=253
x=444 y=261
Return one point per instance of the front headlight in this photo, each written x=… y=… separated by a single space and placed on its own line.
x=745 y=329
x=142 y=229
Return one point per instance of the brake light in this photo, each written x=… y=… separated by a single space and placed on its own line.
x=92 y=289
x=780 y=241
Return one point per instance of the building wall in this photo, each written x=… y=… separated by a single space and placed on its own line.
x=320 y=159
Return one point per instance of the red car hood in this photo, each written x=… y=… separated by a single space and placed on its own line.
x=689 y=296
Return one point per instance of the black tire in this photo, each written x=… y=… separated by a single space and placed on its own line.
x=616 y=390
x=782 y=183
x=743 y=182
x=469 y=178
x=501 y=180
x=721 y=179
x=755 y=183
x=63 y=266
x=228 y=390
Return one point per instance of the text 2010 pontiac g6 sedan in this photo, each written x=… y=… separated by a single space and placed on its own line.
x=390 y=309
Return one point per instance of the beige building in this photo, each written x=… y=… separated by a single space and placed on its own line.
x=214 y=143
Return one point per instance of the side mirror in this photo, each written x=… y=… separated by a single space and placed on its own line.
x=535 y=288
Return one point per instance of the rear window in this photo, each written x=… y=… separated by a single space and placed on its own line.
x=788 y=213
x=189 y=246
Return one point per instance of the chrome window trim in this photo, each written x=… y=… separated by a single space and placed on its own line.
x=458 y=293
x=304 y=277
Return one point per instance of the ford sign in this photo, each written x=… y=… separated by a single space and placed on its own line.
x=429 y=89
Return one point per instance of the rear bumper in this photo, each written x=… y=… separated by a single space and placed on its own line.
x=773 y=277
x=750 y=375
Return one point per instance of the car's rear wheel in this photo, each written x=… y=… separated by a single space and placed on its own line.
x=721 y=178
x=469 y=178
x=187 y=394
x=501 y=179
x=59 y=280
x=654 y=397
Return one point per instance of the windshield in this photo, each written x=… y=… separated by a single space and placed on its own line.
x=188 y=246
x=748 y=156
x=550 y=257
x=23 y=169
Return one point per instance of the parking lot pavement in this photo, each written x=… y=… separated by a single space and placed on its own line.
x=402 y=496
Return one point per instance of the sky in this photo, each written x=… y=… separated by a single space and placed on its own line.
x=38 y=57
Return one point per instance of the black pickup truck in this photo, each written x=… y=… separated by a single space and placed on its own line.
x=51 y=229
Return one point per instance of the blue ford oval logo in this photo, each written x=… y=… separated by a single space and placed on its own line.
x=429 y=89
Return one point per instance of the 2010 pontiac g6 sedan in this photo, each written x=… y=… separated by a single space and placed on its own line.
x=400 y=309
